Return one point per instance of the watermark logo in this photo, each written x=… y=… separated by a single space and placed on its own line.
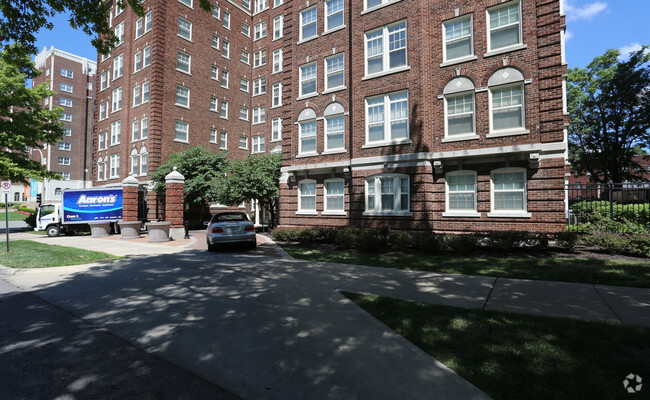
x=632 y=383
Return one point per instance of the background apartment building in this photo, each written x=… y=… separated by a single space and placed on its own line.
x=433 y=115
x=72 y=78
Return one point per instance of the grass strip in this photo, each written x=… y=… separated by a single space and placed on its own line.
x=31 y=254
x=512 y=356
x=13 y=216
x=608 y=271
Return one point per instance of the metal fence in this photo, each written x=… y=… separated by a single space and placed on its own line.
x=603 y=203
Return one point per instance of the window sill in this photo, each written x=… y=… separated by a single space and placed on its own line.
x=276 y=140
x=461 y=214
x=309 y=39
x=184 y=38
x=505 y=50
x=338 y=151
x=182 y=141
x=459 y=61
x=184 y=72
x=514 y=214
x=369 y=10
x=332 y=90
x=306 y=212
x=258 y=123
x=259 y=66
x=307 y=96
x=337 y=213
x=338 y=28
x=259 y=94
x=259 y=38
x=507 y=133
x=383 y=144
x=225 y=87
x=223 y=117
x=387 y=213
x=389 y=72
x=182 y=106
x=460 y=138
x=277 y=38
x=307 y=155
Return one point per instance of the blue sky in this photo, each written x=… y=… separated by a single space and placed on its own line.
x=593 y=26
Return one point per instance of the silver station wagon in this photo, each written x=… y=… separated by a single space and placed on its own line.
x=230 y=227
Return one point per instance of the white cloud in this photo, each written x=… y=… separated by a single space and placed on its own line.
x=627 y=50
x=586 y=12
x=567 y=35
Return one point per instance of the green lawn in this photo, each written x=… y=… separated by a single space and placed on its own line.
x=31 y=254
x=13 y=216
x=511 y=356
x=619 y=272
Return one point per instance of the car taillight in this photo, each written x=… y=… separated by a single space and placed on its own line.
x=216 y=229
x=249 y=228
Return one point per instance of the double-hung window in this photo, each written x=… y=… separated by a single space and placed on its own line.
x=333 y=14
x=259 y=86
x=144 y=128
x=245 y=57
x=278 y=27
x=183 y=62
x=508 y=191
x=118 y=66
x=65 y=146
x=146 y=57
x=243 y=113
x=143 y=25
x=308 y=79
x=223 y=140
x=186 y=2
x=67 y=117
x=117 y=100
x=261 y=5
x=243 y=85
x=119 y=33
x=246 y=4
x=387 y=118
x=334 y=132
x=386 y=49
x=459 y=108
x=243 y=142
x=145 y=92
x=104 y=80
x=504 y=26
x=245 y=29
x=101 y=167
x=259 y=58
x=307 y=196
x=137 y=99
x=102 y=111
x=307 y=133
x=115 y=166
x=225 y=49
x=461 y=193
x=215 y=73
x=387 y=194
x=135 y=158
x=184 y=28
x=276 y=98
x=335 y=71
x=375 y=3
x=224 y=109
x=215 y=41
x=458 y=39
x=308 y=23
x=260 y=30
x=334 y=193
x=276 y=129
x=213 y=135
x=216 y=11
x=116 y=132
x=64 y=101
x=507 y=107
x=137 y=61
x=135 y=131
x=214 y=104
x=258 y=144
x=226 y=19
x=66 y=73
x=182 y=96
x=278 y=59
x=143 y=160
x=224 y=78
x=259 y=115
x=181 y=132
x=65 y=87
x=101 y=141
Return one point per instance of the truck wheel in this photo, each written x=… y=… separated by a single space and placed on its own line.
x=53 y=231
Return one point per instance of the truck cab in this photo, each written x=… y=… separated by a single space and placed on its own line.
x=48 y=218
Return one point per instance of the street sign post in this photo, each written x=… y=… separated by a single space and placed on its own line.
x=6 y=189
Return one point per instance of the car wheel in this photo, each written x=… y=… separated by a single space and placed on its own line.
x=253 y=245
x=211 y=247
x=53 y=231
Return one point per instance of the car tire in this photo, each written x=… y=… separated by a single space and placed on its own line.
x=253 y=245
x=53 y=231
x=211 y=247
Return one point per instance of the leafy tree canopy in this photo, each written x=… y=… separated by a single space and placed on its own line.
x=609 y=108
x=199 y=166
x=24 y=123
x=21 y=20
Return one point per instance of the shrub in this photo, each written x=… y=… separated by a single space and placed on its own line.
x=31 y=220
x=370 y=239
x=599 y=211
x=429 y=243
x=26 y=210
x=461 y=244
x=287 y=234
x=346 y=237
x=324 y=235
x=637 y=245
x=400 y=241
x=567 y=241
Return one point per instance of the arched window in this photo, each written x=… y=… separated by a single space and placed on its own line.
x=334 y=128
x=459 y=109
x=507 y=102
x=307 y=132
x=57 y=192
x=143 y=160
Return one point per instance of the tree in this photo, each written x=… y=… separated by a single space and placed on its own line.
x=22 y=19
x=609 y=111
x=254 y=178
x=200 y=167
x=24 y=123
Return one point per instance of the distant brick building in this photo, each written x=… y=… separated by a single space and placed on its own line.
x=72 y=78
x=431 y=115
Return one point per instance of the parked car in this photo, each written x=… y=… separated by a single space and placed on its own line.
x=230 y=227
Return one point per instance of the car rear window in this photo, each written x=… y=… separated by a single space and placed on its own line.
x=230 y=217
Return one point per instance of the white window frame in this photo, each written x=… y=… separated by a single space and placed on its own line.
x=385 y=49
x=278 y=60
x=258 y=144
x=183 y=59
x=144 y=128
x=261 y=5
x=137 y=61
x=387 y=140
x=303 y=25
x=329 y=14
x=144 y=156
x=66 y=87
x=224 y=109
x=213 y=135
x=245 y=57
x=137 y=100
x=118 y=66
x=341 y=70
x=244 y=141
x=215 y=41
x=66 y=117
x=182 y=92
x=181 y=131
x=135 y=158
x=278 y=27
x=135 y=130
x=308 y=211
x=182 y=28
x=65 y=102
x=225 y=49
x=259 y=86
x=214 y=104
x=259 y=115
x=145 y=92
x=276 y=95
x=459 y=136
x=64 y=146
x=103 y=114
x=261 y=30
x=462 y=212
x=223 y=140
x=245 y=29
x=146 y=56
x=114 y=166
x=226 y=19
x=373 y=185
x=116 y=132
x=276 y=129
x=301 y=137
x=225 y=77
x=116 y=100
x=328 y=197
x=186 y=2
x=496 y=212
x=259 y=58
x=243 y=113
x=522 y=106
x=310 y=78
x=447 y=42
x=490 y=29
x=327 y=133
x=105 y=80
x=119 y=33
x=66 y=73
x=215 y=73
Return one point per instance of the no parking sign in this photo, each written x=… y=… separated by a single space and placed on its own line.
x=6 y=187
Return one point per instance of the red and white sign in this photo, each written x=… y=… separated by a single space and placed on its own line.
x=6 y=187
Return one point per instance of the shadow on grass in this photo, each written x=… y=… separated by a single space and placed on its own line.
x=512 y=356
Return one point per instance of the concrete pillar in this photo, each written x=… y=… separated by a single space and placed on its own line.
x=130 y=199
x=174 y=192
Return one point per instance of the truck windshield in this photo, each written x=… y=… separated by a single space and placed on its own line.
x=46 y=210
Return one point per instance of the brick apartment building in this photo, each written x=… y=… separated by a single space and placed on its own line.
x=433 y=115
x=72 y=78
